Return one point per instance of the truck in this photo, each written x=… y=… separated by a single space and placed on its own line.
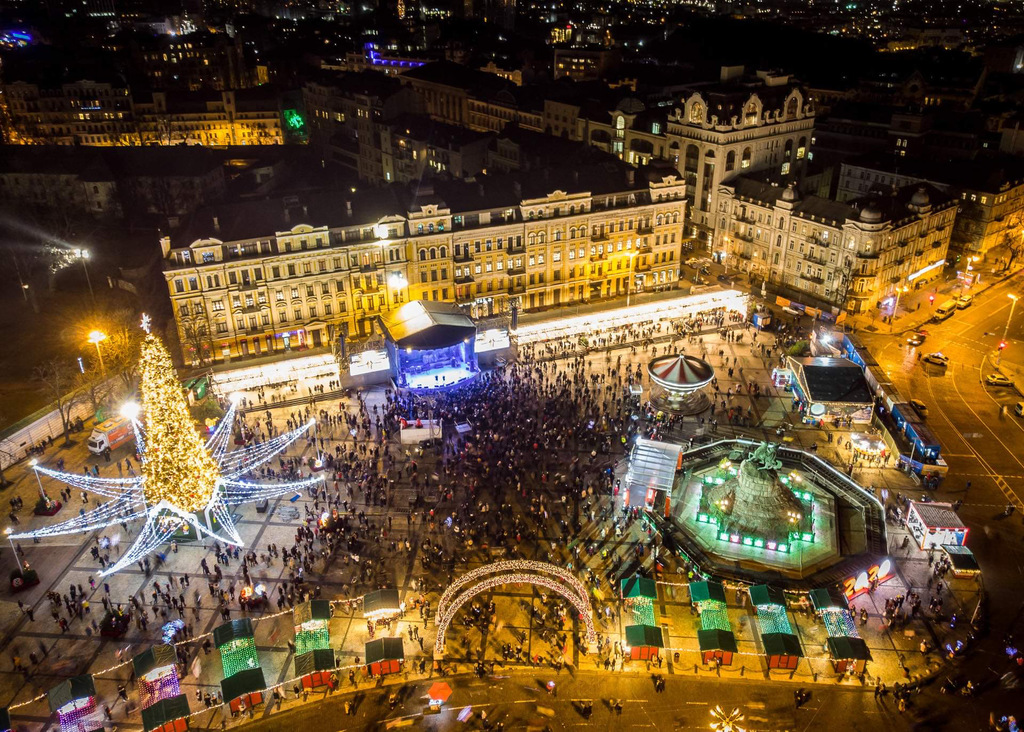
x=111 y=433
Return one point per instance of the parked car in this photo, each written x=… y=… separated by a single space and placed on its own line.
x=920 y=406
x=964 y=301
x=997 y=380
x=936 y=358
x=725 y=278
x=916 y=339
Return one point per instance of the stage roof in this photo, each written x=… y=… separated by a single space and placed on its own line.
x=427 y=324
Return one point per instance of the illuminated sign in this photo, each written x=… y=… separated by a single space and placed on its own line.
x=876 y=574
x=926 y=270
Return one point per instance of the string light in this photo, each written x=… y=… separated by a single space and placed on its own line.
x=186 y=483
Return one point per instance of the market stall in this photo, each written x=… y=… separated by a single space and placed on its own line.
x=312 y=626
x=243 y=678
x=382 y=604
x=315 y=668
x=156 y=673
x=74 y=701
x=846 y=649
x=780 y=645
x=934 y=524
x=384 y=656
x=638 y=596
x=244 y=690
x=961 y=560
x=643 y=642
x=167 y=715
x=715 y=637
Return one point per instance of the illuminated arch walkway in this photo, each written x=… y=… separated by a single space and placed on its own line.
x=520 y=571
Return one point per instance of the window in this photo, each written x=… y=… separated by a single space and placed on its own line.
x=730 y=160
x=327 y=308
x=312 y=311
x=179 y=286
x=745 y=159
x=217 y=305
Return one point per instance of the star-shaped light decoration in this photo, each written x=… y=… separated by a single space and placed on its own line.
x=186 y=485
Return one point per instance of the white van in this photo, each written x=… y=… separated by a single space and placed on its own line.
x=1019 y=409
x=945 y=310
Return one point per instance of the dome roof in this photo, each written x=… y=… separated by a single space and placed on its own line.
x=870 y=214
x=790 y=193
x=920 y=197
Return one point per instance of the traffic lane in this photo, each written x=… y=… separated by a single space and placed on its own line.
x=521 y=701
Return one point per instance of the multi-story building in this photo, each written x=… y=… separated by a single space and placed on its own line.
x=990 y=192
x=191 y=62
x=79 y=113
x=719 y=131
x=585 y=64
x=414 y=147
x=262 y=276
x=841 y=255
x=245 y=117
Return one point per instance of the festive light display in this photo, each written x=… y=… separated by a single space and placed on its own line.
x=312 y=636
x=185 y=485
x=518 y=571
x=773 y=619
x=713 y=616
x=238 y=655
x=156 y=686
x=81 y=714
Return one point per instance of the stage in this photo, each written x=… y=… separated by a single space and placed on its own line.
x=438 y=378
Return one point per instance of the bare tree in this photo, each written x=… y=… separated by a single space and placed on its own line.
x=58 y=380
x=195 y=342
x=1013 y=239
x=121 y=348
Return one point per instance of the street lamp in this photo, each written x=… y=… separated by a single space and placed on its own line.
x=1006 y=329
x=96 y=337
x=84 y=255
x=33 y=463
x=629 y=282
x=17 y=560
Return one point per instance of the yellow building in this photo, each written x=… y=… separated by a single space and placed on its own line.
x=262 y=276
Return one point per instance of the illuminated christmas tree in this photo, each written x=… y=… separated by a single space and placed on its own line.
x=186 y=484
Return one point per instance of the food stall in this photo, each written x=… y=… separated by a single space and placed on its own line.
x=74 y=701
x=643 y=642
x=312 y=626
x=715 y=637
x=315 y=667
x=167 y=715
x=780 y=644
x=243 y=681
x=934 y=524
x=156 y=673
x=846 y=649
x=961 y=560
x=384 y=656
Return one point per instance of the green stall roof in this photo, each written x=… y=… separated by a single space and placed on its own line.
x=781 y=644
x=244 y=682
x=385 y=649
x=846 y=649
x=704 y=591
x=164 y=711
x=69 y=690
x=156 y=657
x=312 y=610
x=828 y=598
x=716 y=640
x=637 y=586
x=241 y=628
x=321 y=659
x=644 y=635
x=765 y=595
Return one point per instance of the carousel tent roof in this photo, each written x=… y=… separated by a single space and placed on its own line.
x=714 y=639
x=385 y=649
x=312 y=610
x=69 y=690
x=379 y=600
x=705 y=591
x=680 y=371
x=845 y=648
x=428 y=324
x=781 y=644
x=156 y=657
x=637 y=586
x=652 y=464
x=321 y=659
x=233 y=630
x=765 y=595
x=644 y=635
x=938 y=515
x=164 y=711
x=242 y=683
x=830 y=598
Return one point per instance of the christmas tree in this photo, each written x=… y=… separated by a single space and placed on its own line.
x=177 y=467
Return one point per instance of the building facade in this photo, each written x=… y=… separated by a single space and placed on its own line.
x=847 y=256
x=325 y=269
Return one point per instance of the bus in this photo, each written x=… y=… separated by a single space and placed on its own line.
x=944 y=311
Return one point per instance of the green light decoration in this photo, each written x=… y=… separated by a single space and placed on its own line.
x=643 y=614
x=312 y=636
x=238 y=655
x=295 y=121
x=713 y=616
x=773 y=619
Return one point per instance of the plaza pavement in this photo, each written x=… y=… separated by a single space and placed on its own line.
x=79 y=650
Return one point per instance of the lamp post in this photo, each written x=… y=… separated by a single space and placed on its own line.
x=1006 y=329
x=17 y=560
x=84 y=255
x=629 y=282
x=96 y=337
x=33 y=463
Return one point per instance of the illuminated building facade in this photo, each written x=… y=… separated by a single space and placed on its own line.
x=846 y=255
x=265 y=276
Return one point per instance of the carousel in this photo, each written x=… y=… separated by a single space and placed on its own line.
x=678 y=381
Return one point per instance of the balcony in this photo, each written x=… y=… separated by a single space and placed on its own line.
x=516 y=247
x=598 y=257
x=464 y=255
x=513 y=271
x=645 y=267
x=464 y=279
x=645 y=229
x=812 y=278
x=516 y=288
x=643 y=247
x=744 y=255
x=747 y=218
x=599 y=236
x=248 y=286
x=371 y=267
x=744 y=237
